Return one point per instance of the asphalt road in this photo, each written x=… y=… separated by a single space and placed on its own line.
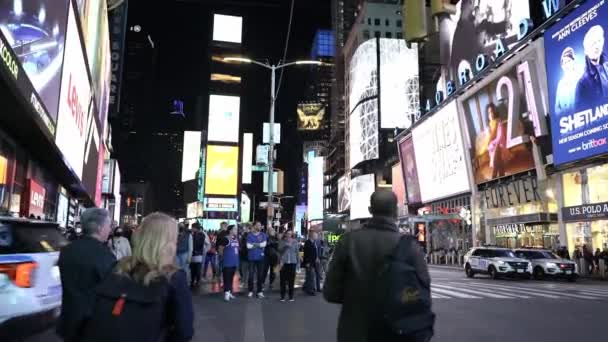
x=468 y=310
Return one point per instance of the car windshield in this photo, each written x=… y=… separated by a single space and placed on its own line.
x=502 y=253
x=532 y=255
x=17 y=237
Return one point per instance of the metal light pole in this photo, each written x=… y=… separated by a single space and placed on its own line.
x=273 y=68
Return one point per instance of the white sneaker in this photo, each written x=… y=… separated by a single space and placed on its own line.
x=227 y=296
x=231 y=296
x=250 y=295
x=260 y=295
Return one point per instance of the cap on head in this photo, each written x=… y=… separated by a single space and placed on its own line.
x=383 y=202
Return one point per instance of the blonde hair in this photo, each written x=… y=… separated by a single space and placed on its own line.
x=154 y=247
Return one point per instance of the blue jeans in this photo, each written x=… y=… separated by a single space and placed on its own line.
x=209 y=259
x=182 y=262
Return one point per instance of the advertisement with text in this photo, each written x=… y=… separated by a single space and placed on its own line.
x=577 y=70
x=222 y=170
x=407 y=157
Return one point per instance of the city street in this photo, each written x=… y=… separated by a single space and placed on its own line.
x=478 y=309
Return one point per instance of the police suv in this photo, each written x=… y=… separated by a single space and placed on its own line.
x=497 y=262
x=30 y=283
x=546 y=264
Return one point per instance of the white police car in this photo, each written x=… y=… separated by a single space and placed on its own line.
x=496 y=262
x=546 y=264
x=30 y=284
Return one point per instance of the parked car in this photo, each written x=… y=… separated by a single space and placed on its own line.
x=497 y=262
x=30 y=283
x=547 y=264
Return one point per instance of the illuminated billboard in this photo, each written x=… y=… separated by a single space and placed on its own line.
x=74 y=119
x=247 y=157
x=245 y=208
x=220 y=204
x=221 y=174
x=398 y=187
x=399 y=93
x=224 y=114
x=227 y=28
x=191 y=155
x=363 y=133
x=315 y=188
x=361 y=190
x=310 y=116
x=363 y=74
x=36 y=31
x=344 y=193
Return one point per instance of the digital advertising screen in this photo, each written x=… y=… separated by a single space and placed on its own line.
x=220 y=204
x=92 y=168
x=344 y=193
x=191 y=155
x=501 y=115
x=475 y=28
x=117 y=196
x=300 y=215
x=440 y=158
x=74 y=120
x=227 y=28
x=407 y=157
x=363 y=74
x=36 y=31
x=363 y=133
x=399 y=92
x=362 y=188
x=245 y=208
x=577 y=72
x=224 y=114
x=398 y=187
x=62 y=210
x=315 y=188
x=310 y=116
x=221 y=174
x=247 y=157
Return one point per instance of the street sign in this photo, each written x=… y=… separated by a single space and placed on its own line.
x=259 y=168
x=264 y=205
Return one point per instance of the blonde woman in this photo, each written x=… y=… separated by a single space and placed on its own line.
x=146 y=297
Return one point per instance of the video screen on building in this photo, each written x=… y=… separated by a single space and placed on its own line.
x=36 y=31
x=191 y=155
x=224 y=115
x=440 y=158
x=227 y=28
x=577 y=72
x=310 y=116
x=315 y=188
x=398 y=187
x=503 y=113
x=407 y=157
x=362 y=188
x=221 y=174
x=475 y=28
x=247 y=157
x=399 y=90
x=74 y=119
x=344 y=193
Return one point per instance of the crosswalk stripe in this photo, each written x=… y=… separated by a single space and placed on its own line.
x=506 y=288
x=438 y=296
x=553 y=292
x=591 y=293
x=487 y=294
x=595 y=291
x=512 y=293
x=452 y=293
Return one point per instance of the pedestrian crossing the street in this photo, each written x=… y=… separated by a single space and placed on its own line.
x=518 y=290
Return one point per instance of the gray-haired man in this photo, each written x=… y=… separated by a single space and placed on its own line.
x=83 y=264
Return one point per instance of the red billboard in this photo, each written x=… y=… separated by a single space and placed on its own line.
x=32 y=203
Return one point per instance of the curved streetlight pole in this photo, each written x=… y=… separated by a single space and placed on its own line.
x=273 y=68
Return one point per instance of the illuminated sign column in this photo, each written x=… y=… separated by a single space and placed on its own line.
x=191 y=155
x=315 y=188
x=221 y=170
x=247 y=157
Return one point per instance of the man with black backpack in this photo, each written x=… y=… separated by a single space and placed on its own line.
x=200 y=245
x=382 y=281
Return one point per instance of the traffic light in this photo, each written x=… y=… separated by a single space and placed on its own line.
x=415 y=19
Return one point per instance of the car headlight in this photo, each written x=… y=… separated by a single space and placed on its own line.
x=501 y=263
x=551 y=265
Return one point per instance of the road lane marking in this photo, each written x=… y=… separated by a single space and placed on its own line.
x=474 y=291
x=507 y=288
x=452 y=293
x=438 y=296
x=511 y=293
x=559 y=293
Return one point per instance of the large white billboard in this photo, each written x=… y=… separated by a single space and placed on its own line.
x=440 y=159
x=399 y=93
x=344 y=193
x=247 y=157
x=315 y=188
x=227 y=28
x=363 y=133
x=74 y=117
x=361 y=191
x=224 y=113
x=191 y=155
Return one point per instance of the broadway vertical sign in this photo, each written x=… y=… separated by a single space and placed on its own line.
x=118 y=31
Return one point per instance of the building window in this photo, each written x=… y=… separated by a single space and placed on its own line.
x=389 y=34
x=377 y=22
x=399 y=35
x=366 y=34
x=399 y=23
x=387 y=22
x=377 y=34
x=369 y=21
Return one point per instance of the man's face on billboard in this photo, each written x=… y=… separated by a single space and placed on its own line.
x=594 y=43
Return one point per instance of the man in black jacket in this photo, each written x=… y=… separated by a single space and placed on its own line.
x=84 y=264
x=312 y=262
x=354 y=267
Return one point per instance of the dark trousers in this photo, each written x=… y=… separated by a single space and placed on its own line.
x=288 y=279
x=195 y=270
x=257 y=268
x=228 y=274
x=269 y=267
x=313 y=278
x=209 y=259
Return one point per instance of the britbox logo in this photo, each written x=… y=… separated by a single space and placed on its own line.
x=593 y=143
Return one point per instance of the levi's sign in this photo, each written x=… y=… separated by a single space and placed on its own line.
x=585 y=212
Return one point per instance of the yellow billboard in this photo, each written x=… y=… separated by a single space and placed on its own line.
x=221 y=174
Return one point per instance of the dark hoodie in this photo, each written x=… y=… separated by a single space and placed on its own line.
x=593 y=85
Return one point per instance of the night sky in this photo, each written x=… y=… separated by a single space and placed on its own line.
x=179 y=68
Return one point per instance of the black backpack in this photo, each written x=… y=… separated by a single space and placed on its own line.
x=403 y=293
x=125 y=310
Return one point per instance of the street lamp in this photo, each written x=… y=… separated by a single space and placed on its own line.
x=273 y=68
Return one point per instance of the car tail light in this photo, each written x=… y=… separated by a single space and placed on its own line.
x=21 y=274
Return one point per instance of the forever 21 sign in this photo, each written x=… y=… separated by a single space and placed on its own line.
x=586 y=212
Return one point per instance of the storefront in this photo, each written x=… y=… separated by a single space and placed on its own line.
x=585 y=211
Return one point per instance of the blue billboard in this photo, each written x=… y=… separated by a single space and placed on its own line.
x=577 y=75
